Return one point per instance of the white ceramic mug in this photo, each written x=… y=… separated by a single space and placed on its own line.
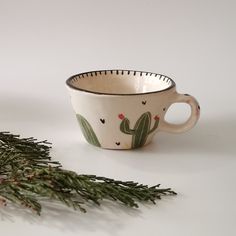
x=123 y=109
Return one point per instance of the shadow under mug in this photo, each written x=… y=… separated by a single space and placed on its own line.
x=123 y=109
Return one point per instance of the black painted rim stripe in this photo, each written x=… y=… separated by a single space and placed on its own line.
x=73 y=78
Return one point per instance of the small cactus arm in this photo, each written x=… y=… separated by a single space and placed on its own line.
x=141 y=129
x=87 y=131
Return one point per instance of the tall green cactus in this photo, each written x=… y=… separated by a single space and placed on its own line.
x=87 y=131
x=141 y=129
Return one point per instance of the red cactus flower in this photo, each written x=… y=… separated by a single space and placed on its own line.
x=121 y=116
x=156 y=117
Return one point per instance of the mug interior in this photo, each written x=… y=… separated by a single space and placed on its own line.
x=120 y=82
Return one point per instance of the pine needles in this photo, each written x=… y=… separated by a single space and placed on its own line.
x=28 y=175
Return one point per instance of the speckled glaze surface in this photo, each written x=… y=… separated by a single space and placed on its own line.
x=123 y=109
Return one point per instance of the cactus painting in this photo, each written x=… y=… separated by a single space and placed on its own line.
x=87 y=131
x=141 y=130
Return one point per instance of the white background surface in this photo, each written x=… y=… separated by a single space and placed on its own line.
x=44 y=42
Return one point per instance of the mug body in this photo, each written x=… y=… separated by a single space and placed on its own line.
x=120 y=109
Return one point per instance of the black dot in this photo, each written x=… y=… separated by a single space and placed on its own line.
x=102 y=120
x=164 y=109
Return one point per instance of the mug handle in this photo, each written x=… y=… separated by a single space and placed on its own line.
x=192 y=120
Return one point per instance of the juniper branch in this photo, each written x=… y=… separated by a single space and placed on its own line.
x=28 y=175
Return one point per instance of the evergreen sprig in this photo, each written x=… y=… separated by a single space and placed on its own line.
x=28 y=175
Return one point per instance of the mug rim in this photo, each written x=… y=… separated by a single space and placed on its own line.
x=94 y=72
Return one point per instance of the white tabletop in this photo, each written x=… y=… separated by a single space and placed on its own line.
x=44 y=42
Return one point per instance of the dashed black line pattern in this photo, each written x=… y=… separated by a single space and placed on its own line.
x=164 y=78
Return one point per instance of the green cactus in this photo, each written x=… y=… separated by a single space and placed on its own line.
x=141 y=129
x=87 y=131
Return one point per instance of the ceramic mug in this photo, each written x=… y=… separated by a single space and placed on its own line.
x=123 y=109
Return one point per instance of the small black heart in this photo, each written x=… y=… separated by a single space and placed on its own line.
x=144 y=102
x=117 y=143
x=164 y=109
x=102 y=120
